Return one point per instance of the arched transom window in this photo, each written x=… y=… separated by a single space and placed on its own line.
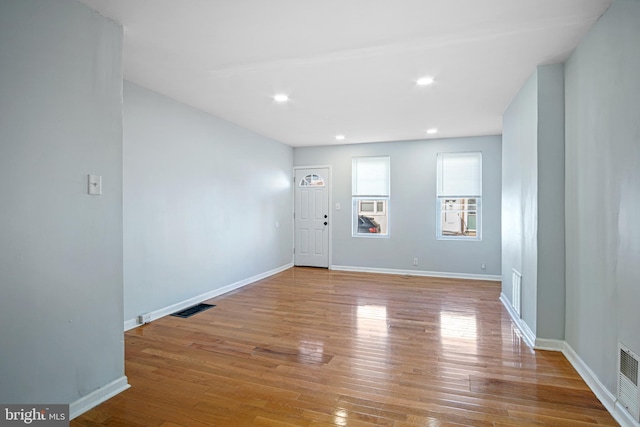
x=312 y=180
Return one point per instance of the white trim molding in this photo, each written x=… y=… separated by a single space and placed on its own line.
x=608 y=399
x=617 y=411
x=156 y=314
x=417 y=273
x=98 y=396
x=293 y=208
x=527 y=334
x=549 y=345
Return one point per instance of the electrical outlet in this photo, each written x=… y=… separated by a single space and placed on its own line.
x=483 y=266
x=415 y=261
x=144 y=318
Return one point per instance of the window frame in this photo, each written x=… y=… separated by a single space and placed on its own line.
x=381 y=194
x=466 y=194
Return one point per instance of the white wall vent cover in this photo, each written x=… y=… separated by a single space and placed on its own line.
x=628 y=381
x=516 y=291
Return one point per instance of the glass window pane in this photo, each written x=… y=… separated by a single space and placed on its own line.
x=370 y=191
x=366 y=206
x=369 y=220
x=458 y=217
x=311 y=180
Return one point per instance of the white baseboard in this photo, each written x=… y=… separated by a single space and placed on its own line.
x=605 y=396
x=417 y=273
x=623 y=417
x=608 y=399
x=527 y=334
x=130 y=324
x=617 y=411
x=156 y=314
x=98 y=396
x=548 y=344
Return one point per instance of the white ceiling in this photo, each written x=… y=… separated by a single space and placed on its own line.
x=348 y=66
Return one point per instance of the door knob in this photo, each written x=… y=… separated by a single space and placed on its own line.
x=325 y=223
x=325 y=216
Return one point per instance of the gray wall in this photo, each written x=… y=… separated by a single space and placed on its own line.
x=201 y=201
x=412 y=210
x=533 y=200
x=551 y=217
x=603 y=190
x=520 y=197
x=60 y=249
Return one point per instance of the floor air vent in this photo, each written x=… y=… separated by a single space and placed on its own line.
x=188 y=312
x=628 y=382
x=516 y=292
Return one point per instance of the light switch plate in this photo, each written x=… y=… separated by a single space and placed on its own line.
x=95 y=185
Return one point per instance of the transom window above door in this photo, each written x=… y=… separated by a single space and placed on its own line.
x=312 y=180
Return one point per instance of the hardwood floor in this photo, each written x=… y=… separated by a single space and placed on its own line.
x=312 y=347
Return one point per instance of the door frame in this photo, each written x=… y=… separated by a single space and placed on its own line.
x=330 y=208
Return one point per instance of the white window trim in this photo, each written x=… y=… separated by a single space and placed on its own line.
x=440 y=236
x=356 y=214
x=357 y=196
x=440 y=198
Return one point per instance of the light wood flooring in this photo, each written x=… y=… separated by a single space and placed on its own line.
x=313 y=347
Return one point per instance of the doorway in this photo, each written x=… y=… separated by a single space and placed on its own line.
x=311 y=217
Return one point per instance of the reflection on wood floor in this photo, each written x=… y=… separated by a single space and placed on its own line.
x=312 y=347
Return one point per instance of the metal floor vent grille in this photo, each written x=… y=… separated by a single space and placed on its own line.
x=516 y=291
x=188 y=312
x=628 y=381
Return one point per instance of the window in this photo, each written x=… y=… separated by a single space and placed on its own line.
x=370 y=193
x=312 y=180
x=459 y=195
x=372 y=207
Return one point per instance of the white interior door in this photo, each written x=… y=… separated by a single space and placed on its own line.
x=311 y=217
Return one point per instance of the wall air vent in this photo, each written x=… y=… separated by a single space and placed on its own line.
x=628 y=381
x=516 y=290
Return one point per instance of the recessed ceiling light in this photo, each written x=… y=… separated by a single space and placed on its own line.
x=425 y=81
x=340 y=137
x=281 y=97
x=432 y=131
